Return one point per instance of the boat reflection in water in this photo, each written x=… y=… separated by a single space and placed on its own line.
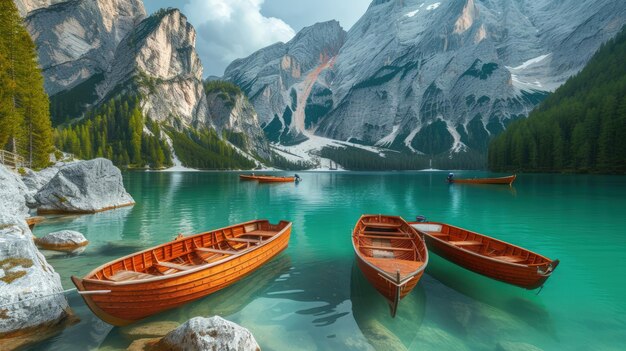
x=371 y=314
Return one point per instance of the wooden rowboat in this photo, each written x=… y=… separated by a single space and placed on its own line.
x=268 y=178
x=247 y=177
x=484 y=255
x=185 y=269
x=276 y=179
x=391 y=255
x=502 y=180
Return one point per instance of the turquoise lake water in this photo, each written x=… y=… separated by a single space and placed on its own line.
x=311 y=297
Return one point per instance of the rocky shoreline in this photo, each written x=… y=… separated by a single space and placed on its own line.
x=33 y=306
x=32 y=302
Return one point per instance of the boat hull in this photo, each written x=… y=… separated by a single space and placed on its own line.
x=247 y=177
x=130 y=302
x=521 y=275
x=392 y=293
x=502 y=180
x=276 y=179
x=391 y=255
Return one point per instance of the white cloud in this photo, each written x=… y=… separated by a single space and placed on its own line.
x=231 y=29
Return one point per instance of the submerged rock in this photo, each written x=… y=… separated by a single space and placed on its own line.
x=84 y=187
x=64 y=240
x=149 y=330
x=380 y=337
x=213 y=333
x=516 y=346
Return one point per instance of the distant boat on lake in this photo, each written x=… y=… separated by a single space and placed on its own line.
x=185 y=269
x=391 y=255
x=270 y=178
x=484 y=255
x=501 y=180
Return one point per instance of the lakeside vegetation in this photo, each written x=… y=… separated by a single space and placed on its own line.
x=581 y=127
x=116 y=130
x=25 y=126
x=204 y=149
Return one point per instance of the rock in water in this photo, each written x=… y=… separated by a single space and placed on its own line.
x=34 y=181
x=31 y=295
x=64 y=240
x=32 y=304
x=84 y=187
x=149 y=330
x=213 y=333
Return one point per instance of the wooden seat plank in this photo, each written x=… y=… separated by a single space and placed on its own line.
x=224 y=252
x=382 y=225
x=176 y=266
x=121 y=276
x=465 y=243
x=384 y=248
x=510 y=259
x=243 y=240
x=390 y=237
x=383 y=233
x=263 y=233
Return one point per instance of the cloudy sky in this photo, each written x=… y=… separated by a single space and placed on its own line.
x=230 y=29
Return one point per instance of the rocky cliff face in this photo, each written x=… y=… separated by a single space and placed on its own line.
x=76 y=39
x=95 y=50
x=235 y=116
x=432 y=77
x=278 y=79
x=159 y=59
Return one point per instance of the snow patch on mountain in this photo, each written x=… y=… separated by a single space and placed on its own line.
x=387 y=140
x=531 y=74
x=457 y=145
x=433 y=6
x=412 y=13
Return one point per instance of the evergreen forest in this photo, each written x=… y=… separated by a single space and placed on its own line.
x=581 y=127
x=25 y=126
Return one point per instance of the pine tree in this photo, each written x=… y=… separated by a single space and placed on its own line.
x=580 y=127
x=25 y=115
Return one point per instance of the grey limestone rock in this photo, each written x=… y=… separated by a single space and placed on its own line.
x=213 y=333
x=84 y=187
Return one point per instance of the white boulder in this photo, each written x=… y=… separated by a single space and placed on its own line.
x=34 y=181
x=64 y=240
x=31 y=296
x=213 y=333
x=32 y=304
x=84 y=187
x=12 y=198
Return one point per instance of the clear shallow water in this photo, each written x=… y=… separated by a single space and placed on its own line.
x=311 y=297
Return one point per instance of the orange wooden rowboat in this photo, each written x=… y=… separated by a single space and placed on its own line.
x=269 y=178
x=248 y=177
x=185 y=269
x=487 y=256
x=391 y=255
x=502 y=180
x=276 y=179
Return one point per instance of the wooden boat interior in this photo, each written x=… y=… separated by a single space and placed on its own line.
x=481 y=244
x=189 y=252
x=389 y=244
